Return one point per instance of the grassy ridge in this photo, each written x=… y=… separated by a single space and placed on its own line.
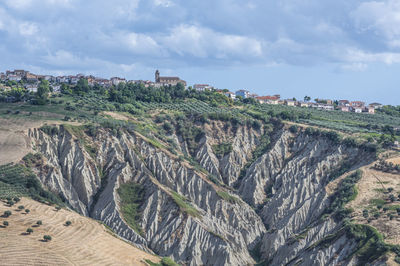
x=132 y=196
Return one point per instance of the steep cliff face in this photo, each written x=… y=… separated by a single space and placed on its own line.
x=275 y=212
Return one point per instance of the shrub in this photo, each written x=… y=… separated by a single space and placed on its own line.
x=39 y=222
x=5 y=223
x=27 y=211
x=7 y=213
x=167 y=127
x=68 y=223
x=365 y=213
x=168 y=262
x=58 y=208
x=29 y=230
x=16 y=199
x=294 y=129
x=21 y=207
x=47 y=238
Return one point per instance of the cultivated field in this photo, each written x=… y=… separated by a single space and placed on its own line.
x=84 y=242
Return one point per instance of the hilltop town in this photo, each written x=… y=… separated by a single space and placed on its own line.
x=30 y=82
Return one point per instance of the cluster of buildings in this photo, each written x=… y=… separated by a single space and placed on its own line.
x=31 y=82
x=321 y=104
x=32 y=79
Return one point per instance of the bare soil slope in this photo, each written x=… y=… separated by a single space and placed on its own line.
x=84 y=242
x=374 y=197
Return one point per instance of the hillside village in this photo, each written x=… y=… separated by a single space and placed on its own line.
x=30 y=82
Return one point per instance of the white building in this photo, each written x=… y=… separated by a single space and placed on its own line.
x=202 y=87
x=31 y=88
x=14 y=77
x=243 y=93
x=116 y=80
x=230 y=95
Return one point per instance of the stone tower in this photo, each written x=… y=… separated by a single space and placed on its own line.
x=157 y=76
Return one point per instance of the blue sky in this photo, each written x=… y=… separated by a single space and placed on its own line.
x=331 y=48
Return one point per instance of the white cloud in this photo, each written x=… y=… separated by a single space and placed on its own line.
x=203 y=42
x=359 y=56
x=27 y=28
x=379 y=18
x=163 y=3
x=140 y=43
x=18 y=4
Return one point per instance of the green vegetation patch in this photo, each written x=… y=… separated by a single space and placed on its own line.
x=370 y=245
x=164 y=262
x=18 y=180
x=345 y=193
x=228 y=197
x=377 y=202
x=132 y=196
x=185 y=205
x=220 y=150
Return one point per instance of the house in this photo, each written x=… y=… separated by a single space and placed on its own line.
x=302 y=104
x=357 y=109
x=116 y=80
x=253 y=95
x=324 y=101
x=202 y=87
x=376 y=105
x=345 y=103
x=396 y=144
x=289 y=102
x=328 y=107
x=74 y=79
x=369 y=109
x=91 y=80
x=31 y=87
x=56 y=88
x=31 y=77
x=268 y=99
x=173 y=81
x=62 y=79
x=48 y=78
x=230 y=95
x=357 y=104
x=19 y=73
x=13 y=77
x=243 y=93
x=344 y=108
x=103 y=82
x=3 y=76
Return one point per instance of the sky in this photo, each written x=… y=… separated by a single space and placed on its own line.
x=339 y=49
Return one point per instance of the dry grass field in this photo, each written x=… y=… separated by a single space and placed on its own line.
x=84 y=242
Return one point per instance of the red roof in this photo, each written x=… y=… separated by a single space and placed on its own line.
x=267 y=98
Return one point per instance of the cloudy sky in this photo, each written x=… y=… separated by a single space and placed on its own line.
x=331 y=48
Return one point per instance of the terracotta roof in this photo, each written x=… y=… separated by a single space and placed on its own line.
x=267 y=98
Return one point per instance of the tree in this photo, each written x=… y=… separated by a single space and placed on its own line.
x=42 y=92
x=81 y=87
x=307 y=98
x=16 y=199
x=47 y=238
x=29 y=230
